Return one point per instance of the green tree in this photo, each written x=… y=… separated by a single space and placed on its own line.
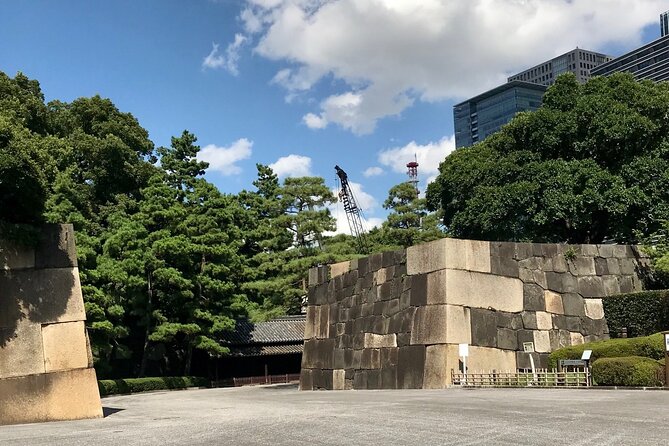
x=409 y=221
x=590 y=165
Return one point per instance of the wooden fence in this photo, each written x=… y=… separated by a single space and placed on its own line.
x=267 y=379
x=541 y=378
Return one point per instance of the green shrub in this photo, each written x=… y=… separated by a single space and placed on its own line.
x=641 y=313
x=633 y=371
x=647 y=346
x=135 y=385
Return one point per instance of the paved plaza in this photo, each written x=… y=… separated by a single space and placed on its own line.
x=281 y=415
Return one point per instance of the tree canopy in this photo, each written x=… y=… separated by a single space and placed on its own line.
x=591 y=165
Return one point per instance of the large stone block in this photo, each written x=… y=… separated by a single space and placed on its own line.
x=479 y=290
x=591 y=286
x=487 y=359
x=380 y=341
x=441 y=324
x=436 y=287
x=56 y=248
x=594 y=308
x=507 y=339
x=439 y=360
x=523 y=360
x=64 y=346
x=573 y=304
x=313 y=321
x=389 y=378
x=450 y=253
x=504 y=266
x=389 y=357
x=561 y=282
x=15 y=256
x=44 y=296
x=410 y=367
x=533 y=297
x=582 y=266
x=542 y=341
x=553 y=302
x=306 y=379
x=21 y=350
x=483 y=327
x=371 y=358
x=338 y=379
x=418 y=293
x=544 y=320
x=68 y=395
x=513 y=321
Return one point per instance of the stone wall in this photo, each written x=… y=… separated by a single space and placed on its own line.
x=394 y=320
x=46 y=367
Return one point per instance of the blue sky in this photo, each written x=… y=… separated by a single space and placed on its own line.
x=305 y=84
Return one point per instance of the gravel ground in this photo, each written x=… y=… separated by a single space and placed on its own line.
x=281 y=415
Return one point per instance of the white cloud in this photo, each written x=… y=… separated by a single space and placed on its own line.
x=292 y=166
x=223 y=159
x=230 y=60
x=429 y=156
x=386 y=54
x=314 y=122
x=372 y=171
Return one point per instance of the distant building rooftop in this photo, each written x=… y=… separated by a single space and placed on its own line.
x=274 y=337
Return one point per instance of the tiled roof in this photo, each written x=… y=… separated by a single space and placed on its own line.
x=287 y=329
x=266 y=350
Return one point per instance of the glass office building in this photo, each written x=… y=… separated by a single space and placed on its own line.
x=650 y=61
x=577 y=61
x=664 y=23
x=483 y=115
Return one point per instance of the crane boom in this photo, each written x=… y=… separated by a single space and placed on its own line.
x=352 y=211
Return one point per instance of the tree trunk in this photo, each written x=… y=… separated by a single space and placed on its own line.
x=189 y=358
x=149 y=310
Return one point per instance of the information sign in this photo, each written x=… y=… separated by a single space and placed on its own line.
x=463 y=350
x=528 y=347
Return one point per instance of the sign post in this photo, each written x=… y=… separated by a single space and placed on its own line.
x=528 y=347
x=463 y=351
x=666 y=358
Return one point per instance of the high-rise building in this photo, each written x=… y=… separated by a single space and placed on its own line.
x=577 y=61
x=650 y=61
x=664 y=23
x=482 y=115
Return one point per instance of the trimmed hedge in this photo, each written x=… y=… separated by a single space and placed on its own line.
x=641 y=313
x=134 y=385
x=634 y=371
x=647 y=346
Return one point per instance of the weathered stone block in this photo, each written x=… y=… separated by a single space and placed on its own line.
x=380 y=341
x=513 y=321
x=622 y=251
x=410 y=367
x=559 y=264
x=375 y=262
x=363 y=267
x=313 y=276
x=553 y=302
x=525 y=336
x=14 y=256
x=44 y=296
x=312 y=322
x=483 y=327
x=529 y=320
x=436 y=287
x=504 y=266
x=559 y=321
x=611 y=285
x=561 y=282
x=601 y=266
x=627 y=266
x=419 y=290
x=576 y=338
x=323 y=330
x=582 y=266
x=488 y=359
x=591 y=286
x=389 y=357
x=542 y=341
x=371 y=358
x=21 y=350
x=573 y=323
x=440 y=324
x=56 y=248
x=479 y=290
x=306 y=379
x=339 y=359
x=448 y=253
x=403 y=339
x=523 y=360
x=67 y=395
x=544 y=320
x=439 y=360
x=338 y=379
x=360 y=380
x=389 y=378
x=64 y=346
x=573 y=304
x=594 y=308
x=533 y=297
x=507 y=339
x=391 y=308
x=373 y=379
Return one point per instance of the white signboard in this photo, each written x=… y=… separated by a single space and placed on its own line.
x=464 y=350
x=528 y=347
x=666 y=341
x=586 y=355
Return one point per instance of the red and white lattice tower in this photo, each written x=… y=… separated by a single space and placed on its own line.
x=412 y=171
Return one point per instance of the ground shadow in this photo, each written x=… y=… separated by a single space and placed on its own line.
x=108 y=411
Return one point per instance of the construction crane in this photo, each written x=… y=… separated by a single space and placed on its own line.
x=352 y=211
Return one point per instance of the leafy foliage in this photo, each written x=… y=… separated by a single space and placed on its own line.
x=590 y=165
x=633 y=371
x=640 y=313
x=136 y=385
